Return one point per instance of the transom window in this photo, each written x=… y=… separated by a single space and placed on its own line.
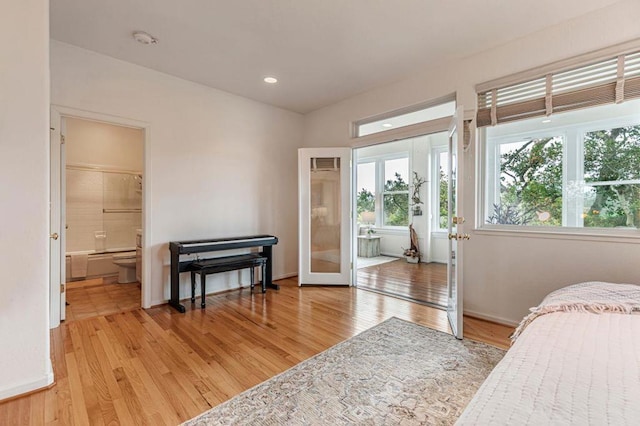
x=399 y=119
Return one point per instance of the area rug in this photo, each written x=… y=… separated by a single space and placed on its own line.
x=365 y=262
x=397 y=372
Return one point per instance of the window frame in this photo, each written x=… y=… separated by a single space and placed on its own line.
x=436 y=151
x=379 y=161
x=573 y=170
x=414 y=128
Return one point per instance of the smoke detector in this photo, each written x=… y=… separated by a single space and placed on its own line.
x=144 y=38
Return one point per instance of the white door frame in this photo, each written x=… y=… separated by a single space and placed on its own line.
x=60 y=111
x=56 y=231
x=305 y=275
x=455 y=234
x=354 y=217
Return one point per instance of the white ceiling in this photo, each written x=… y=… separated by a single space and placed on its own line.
x=321 y=51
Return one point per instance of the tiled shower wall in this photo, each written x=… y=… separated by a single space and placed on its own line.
x=103 y=210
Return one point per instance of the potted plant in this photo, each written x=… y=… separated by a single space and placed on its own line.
x=412 y=254
x=415 y=197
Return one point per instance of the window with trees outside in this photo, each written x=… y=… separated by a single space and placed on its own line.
x=383 y=195
x=562 y=146
x=440 y=157
x=579 y=169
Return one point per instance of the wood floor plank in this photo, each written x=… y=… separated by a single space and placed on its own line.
x=158 y=366
x=78 y=406
x=37 y=409
x=82 y=350
x=129 y=396
x=424 y=282
x=124 y=415
x=100 y=296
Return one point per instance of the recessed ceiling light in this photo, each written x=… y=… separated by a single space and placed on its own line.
x=144 y=38
x=387 y=125
x=270 y=80
x=547 y=120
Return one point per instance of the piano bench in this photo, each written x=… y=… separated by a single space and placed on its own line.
x=224 y=264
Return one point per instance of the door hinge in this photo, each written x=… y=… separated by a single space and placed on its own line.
x=61 y=288
x=458 y=220
x=61 y=139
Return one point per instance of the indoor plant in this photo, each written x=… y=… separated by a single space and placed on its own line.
x=415 y=197
x=412 y=254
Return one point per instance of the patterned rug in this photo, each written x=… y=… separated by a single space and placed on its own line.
x=397 y=372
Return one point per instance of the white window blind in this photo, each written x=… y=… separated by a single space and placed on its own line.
x=603 y=82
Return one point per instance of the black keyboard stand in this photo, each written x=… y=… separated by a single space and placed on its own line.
x=201 y=246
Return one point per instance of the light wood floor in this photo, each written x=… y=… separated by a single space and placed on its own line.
x=424 y=282
x=158 y=366
x=100 y=296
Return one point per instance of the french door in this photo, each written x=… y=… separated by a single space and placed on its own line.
x=324 y=185
x=57 y=266
x=456 y=223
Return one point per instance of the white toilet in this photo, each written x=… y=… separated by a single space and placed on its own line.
x=126 y=266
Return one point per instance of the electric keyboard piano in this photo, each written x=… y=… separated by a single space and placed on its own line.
x=201 y=246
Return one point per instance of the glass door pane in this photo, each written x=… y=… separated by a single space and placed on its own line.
x=455 y=225
x=324 y=185
x=325 y=214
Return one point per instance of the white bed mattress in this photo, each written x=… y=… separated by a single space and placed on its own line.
x=565 y=368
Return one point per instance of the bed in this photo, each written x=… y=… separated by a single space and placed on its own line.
x=575 y=360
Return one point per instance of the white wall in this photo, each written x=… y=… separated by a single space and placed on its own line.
x=421 y=163
x=216 y=164
x=91 y=143
x=504 y=275
x=439 y=244
x=24 y=172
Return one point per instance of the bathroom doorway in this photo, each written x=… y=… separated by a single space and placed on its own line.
x=101 y=203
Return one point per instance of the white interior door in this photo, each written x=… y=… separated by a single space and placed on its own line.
x=456 y=221
x=63 y=221
x=324 y=185
x=56 y=230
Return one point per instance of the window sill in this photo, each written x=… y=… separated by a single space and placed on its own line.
x=401 y=230
x=619 y=236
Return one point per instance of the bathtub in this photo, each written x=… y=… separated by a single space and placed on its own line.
x=98 y=265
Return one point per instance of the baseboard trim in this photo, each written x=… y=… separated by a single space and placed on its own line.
x=492 y=318
x=155 y=303
x=28 y=387
x=284 y=276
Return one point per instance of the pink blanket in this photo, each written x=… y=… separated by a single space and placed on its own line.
x=596 y=297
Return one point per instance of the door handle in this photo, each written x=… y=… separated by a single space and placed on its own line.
x=459 y=236
x=54 y=236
